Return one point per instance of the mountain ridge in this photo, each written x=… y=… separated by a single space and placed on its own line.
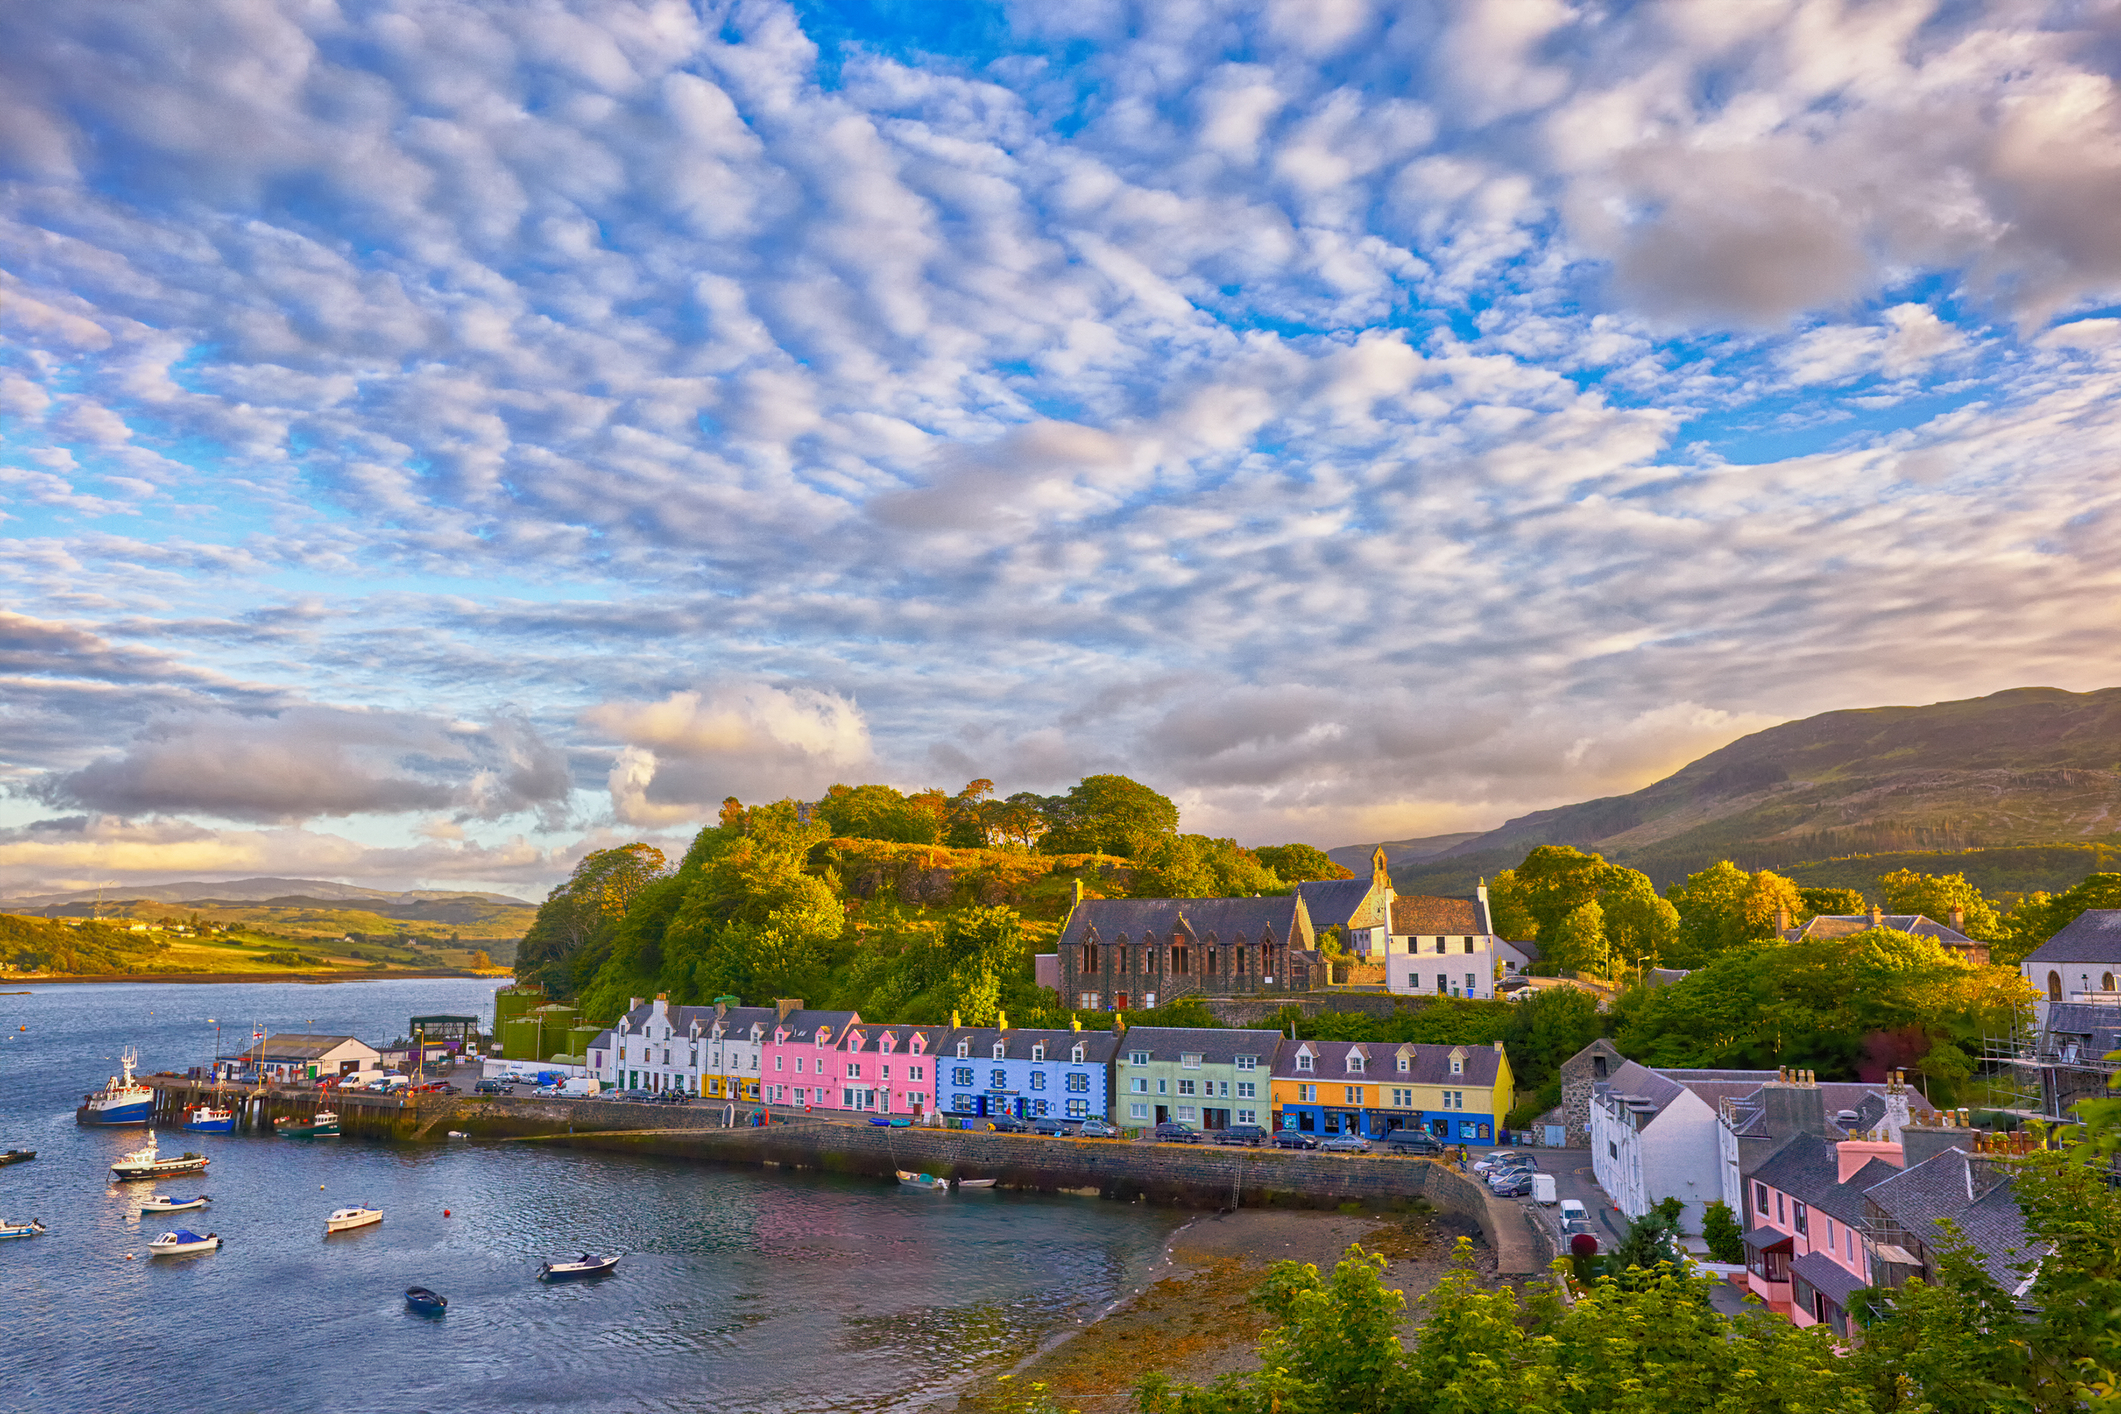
x=255 y=890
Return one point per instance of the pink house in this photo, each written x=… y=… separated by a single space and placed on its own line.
x=885 y=1069
x=799 y=1057
x=1807 y=1255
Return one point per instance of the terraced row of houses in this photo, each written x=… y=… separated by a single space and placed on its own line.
x=1134 y=1077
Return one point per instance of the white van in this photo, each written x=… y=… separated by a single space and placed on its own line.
x=1572 y=1211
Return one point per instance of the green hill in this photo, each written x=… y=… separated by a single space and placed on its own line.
x=2032 y=766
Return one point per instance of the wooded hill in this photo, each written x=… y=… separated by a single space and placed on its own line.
x=2028 y=767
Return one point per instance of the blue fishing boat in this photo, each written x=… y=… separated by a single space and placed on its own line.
x=15 y=1227
x=425 y=1302
x=207 y=1119
x=122 y=1100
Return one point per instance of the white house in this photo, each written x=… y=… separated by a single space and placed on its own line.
x=301 y=1057
x=710 y=1051
x=2079 y=964
x=1444 y=947
x=1654 y=1138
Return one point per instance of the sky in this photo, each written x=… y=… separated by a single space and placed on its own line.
x=437 y=438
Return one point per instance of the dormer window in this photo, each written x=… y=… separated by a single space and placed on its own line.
x=883 y=1043
x=920 y=1043
x=1001 y=1048
x=1405 y=1065
x=1458 y=1067
x=1354 y=1065
x=1038 y=1052
x=1076 y=1055
x=1303 y=1060
x=824 y=1034
x=964 y=1050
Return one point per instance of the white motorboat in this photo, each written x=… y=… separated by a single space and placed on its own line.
x=587 y=1265
x=347 y=1219
x=923 y=1182
x=149 y=1163
x=182 y=1243
x=15 y=1227
x=166 y=1203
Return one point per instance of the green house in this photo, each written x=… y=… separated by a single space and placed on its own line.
x=1205 y=1079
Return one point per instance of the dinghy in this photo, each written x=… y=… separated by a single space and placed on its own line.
x=17 y=1156
x=926 y=1183
x=164 y=1203
x=586 y=1265
x=427 y=1303
x=15 y=1227
x=182 y=1243
x=149 y=1163
x=347 y=1219
x=975 y=1183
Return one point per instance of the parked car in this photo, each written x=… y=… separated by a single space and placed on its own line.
x=1050 y=1127
x=1294 y=1139
x=1515 y=1185
x=1502 y=1157
x=1172 y=1132
x=1095 y=1129
x=1241 y=1134
x=492 y=1087
x=1007 y=1124
x=1345 y=1144
x=1410 y=1142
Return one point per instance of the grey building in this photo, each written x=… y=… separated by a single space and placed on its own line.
x=1125 y=954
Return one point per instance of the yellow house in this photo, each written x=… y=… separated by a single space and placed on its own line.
x=1459 y=1094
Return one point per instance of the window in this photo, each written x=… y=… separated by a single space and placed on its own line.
x=1137 y=1111
x=1402 y=1099
x=915 y=1072
x=1163 y=1087
x=1458 y=1065
x=1088 y=1001
x=1469 y=945
x=2054 y=986
x=1247 y=1090
x=886 y=1072
x=1780 y=1216
x=1188 y=1112
x=1248 y=1116
x=1760 y=1200
x=1187 y=1062
x=1076 y=1055
x=1612 y=1150
x=1303 y=1060
x=1185 y=1087
x=961 y=1103
x=1139 y=1084
x=964 y=1050
x=1078 y=1109
x=776 y=1062
x=1405 y=1065
x=998 y=1080
x=1038 y=1080
x=1001 y=1049
x=1354 y=1094
x=1472 y=982
x=961 y=1075
x=1800 y=1213
x=1354 y=1064
x=1440 y=944
x=1078 y=1082
x=1307 y=1094
x=1038 y=1107
x=1137 y=1058
x=1454 y=1099
x=1248 y=1062
x=798 y=1065
x=1598 y=1073
x=1038 y=1051
x=854 y=1070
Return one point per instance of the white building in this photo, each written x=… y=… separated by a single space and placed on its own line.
x=1653 y=1138
x=2079 y=964
x=301 y=1057
x=1444 y=947
x=709 y=1051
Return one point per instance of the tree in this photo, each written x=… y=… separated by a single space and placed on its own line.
x=1722 y=907
x=1555 y=881
x=1509 y=908
x=558 y=949
x=1577 y=943
x=1107 y=815
x=1195 y=866
x=1833 y=903
x=480 y=959
x=1934 y=896
x=876 y=812
x=1296 y=863
x=2039 y=917
x=968 y=824
x=1720 y=1230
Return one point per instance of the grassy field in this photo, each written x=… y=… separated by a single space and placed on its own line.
x=35 y=946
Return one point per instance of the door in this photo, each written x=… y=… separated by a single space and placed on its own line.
x=1214 y=1119
x=1163 y=1114
x=1556 y=1136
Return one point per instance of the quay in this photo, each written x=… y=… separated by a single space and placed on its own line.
x=1192 y=1175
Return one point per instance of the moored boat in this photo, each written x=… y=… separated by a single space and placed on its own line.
x=427 y=1303
x=589 y=1264
x=167 y=1203
x=209 y=1119
x=17 y=1156
x=324 y=1124
x=183 y=1243
x=122 y=1100
x=347 y=1219
x=923 y=1182
x=975 y=1183
x=16 y=1227
x=149 y=1163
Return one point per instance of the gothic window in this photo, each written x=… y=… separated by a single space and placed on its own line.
x=2054 y=986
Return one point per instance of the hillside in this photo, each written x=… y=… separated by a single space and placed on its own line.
x=1356 y=857
x=247 y=890
x=2031 y=766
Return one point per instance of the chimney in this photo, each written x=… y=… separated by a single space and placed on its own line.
x=1782 y=920
x=1853 y=1154
x=1877 y=916
x=633 y=1004
x=783 y=1005
x=1958 y=919
x=1897 y=1115
x=1919 y=1143
x=1498 y=1048
x=1791 y=1107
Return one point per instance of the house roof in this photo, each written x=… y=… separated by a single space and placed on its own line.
x=803 y=1026
x=1435 y=916
x=1952 y=1186
x=901 y=1035
x=2093 y=936
x=1017 y=1041
x=1846 y=925
x=1332 y=902
x=299 y=1046
x=1214 y=1047
x=1110 y=919
x=1427 y=1063
x=1829 y=1276
x=1761 y=1238
x=1630 y=1082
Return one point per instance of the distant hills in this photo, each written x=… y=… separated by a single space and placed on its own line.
x=251 y=891
x=2033 y=766
x=1397 y=852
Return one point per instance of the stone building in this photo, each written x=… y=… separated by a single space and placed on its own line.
x=1847 y=925
x=1581 y=1075
x=1126 y=954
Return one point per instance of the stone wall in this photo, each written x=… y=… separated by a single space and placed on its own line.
x=1579 y=1076
x=1243 y=1012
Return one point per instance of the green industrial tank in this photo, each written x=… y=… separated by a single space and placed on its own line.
x=556 y=1019
x=581 y=1038
x=512 y=1002
x=520 y=1039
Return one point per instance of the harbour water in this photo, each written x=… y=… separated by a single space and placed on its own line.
x=739 y=1290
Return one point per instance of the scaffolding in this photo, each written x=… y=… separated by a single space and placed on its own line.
x=2042 y=1074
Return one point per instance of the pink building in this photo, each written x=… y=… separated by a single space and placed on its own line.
x=799 y=1058
x=887 y=1070
x=1807 y=1255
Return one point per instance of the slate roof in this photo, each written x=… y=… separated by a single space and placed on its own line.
x=1630 y=1080
x=2093 y=936
x=682 y=1018
x=1829 y=1276
x=1214 y=1046
x=1975 y=1197
x=1109 y=919
x=2094 y=1029
x=1763 y=1237
x=1434 y=916
x=1847 y=925
x=803 y=1025
x=298 y=1046
x=1428 y=1063
x=1808 y=1169
x=901 y=1036
x=1332 y=902
x=1098 y=1046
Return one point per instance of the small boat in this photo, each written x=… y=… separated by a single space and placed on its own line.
x=586 y=1265
x=165 y=1203
x=347 y=1219
x=206 y=1119
x=975 y=1183
x=182 y=1243
x=927 y=1183
x=458 y=1134
x=149 y=1163
x=15 y=1227
x=427 y=1303
x=122 y=1100
x=323 y=1125
x=17 y=1156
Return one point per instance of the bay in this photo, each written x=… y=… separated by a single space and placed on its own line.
x=740 y=1290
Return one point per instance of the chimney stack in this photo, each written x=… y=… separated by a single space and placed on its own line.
x=1782 y=920
x=1877 y=916
x=1958 y=919
x=783 y=1005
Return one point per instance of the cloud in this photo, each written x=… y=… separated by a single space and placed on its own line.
x=682 y=755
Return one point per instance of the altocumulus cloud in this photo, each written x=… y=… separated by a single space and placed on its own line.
x=487 y=423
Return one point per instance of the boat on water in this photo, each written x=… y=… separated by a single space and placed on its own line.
x=924 y=1182
x=183 y=1243
x=589 y=1264
x=210 y=1119
x=324 y=1124
x=975 y=1183
x=149 y=1163
x=427 y=1303
x=168 y=1203
x=347 y=1219
x=122 y=1100
x=15 y=1227
x=17 y=1156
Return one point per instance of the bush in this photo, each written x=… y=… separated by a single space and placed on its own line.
x=1720 y=1230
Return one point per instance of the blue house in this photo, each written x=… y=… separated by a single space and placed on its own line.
x=988 y=1070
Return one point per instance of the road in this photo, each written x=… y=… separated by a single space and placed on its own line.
x=1573 y=1178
